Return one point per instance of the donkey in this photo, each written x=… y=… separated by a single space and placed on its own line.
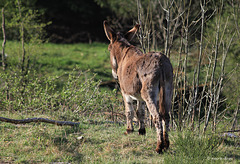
x=142 y=77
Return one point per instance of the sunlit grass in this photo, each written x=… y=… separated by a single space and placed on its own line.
x=54 y=59
x=106 y=143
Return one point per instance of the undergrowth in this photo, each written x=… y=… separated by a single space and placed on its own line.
x=79 y=96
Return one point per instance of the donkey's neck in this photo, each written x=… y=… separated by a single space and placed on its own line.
x=129 y=50
x=126 y=50
x=123 y=50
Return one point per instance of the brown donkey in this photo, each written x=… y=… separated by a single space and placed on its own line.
x=142 y=77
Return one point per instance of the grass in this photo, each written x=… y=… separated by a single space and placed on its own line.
x=105 y=142
x=53 y=59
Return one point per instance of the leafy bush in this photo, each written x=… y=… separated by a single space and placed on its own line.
x=79 y=95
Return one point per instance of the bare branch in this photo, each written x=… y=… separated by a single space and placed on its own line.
x=162 y=6
x=29 y=120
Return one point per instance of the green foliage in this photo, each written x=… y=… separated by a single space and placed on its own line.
x=19 y=13
x=32 y=93
x=123 y=8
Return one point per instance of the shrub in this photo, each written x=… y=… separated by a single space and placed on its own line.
x=79 y=96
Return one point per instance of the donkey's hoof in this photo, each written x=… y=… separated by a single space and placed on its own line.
x=159 y=147
x=159 y=151
x=166 y=144
x=142 y=131
x=128 y=131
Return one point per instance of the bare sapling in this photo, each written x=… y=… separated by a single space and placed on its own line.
x=141 y=31
x=23 y=60
x=235 y=115
x=219 y=84
x=196 y=87
x=167 y=11
x=211 y=87
x=4 y=41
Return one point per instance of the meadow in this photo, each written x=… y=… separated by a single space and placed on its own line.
x=63 y=84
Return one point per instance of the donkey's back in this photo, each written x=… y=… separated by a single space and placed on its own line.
x=139 y=69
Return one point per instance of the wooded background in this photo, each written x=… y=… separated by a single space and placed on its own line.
x=81 y=20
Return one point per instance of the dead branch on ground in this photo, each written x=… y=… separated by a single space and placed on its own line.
x=29 y=120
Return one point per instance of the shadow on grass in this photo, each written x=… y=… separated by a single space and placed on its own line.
x=234 y=143
x=68 y=143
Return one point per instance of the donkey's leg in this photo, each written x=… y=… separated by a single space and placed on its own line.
x=129 y=111
x=158 y=124
x=150 y=97
x=165 y=124
x=166 y=118
x=141 y=116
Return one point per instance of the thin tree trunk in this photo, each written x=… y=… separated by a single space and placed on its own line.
x=199 y=59
x=167 y=37
x=186 y=57
x=212 y=76
x=203 y=95
x=167 y=32
x=186 y=43
x=141 y=33
x=185 y=69
x=220 y=82
x=235 y=115
x=22 y=38
x=4 y=41
x=176 y=81
x=191 y=107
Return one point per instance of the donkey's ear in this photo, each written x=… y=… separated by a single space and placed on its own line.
x=109 y=31
x=131 y=33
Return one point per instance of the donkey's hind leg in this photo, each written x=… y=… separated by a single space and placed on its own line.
x=141 y=116
x=129 y=111
x=150 y=97
x=166 y=118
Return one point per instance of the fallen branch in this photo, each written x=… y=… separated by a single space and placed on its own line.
x=29 y=120
x=230 y=131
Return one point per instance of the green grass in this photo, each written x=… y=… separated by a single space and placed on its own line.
x=106 y=143
x=55 y=59
x=103 y=143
